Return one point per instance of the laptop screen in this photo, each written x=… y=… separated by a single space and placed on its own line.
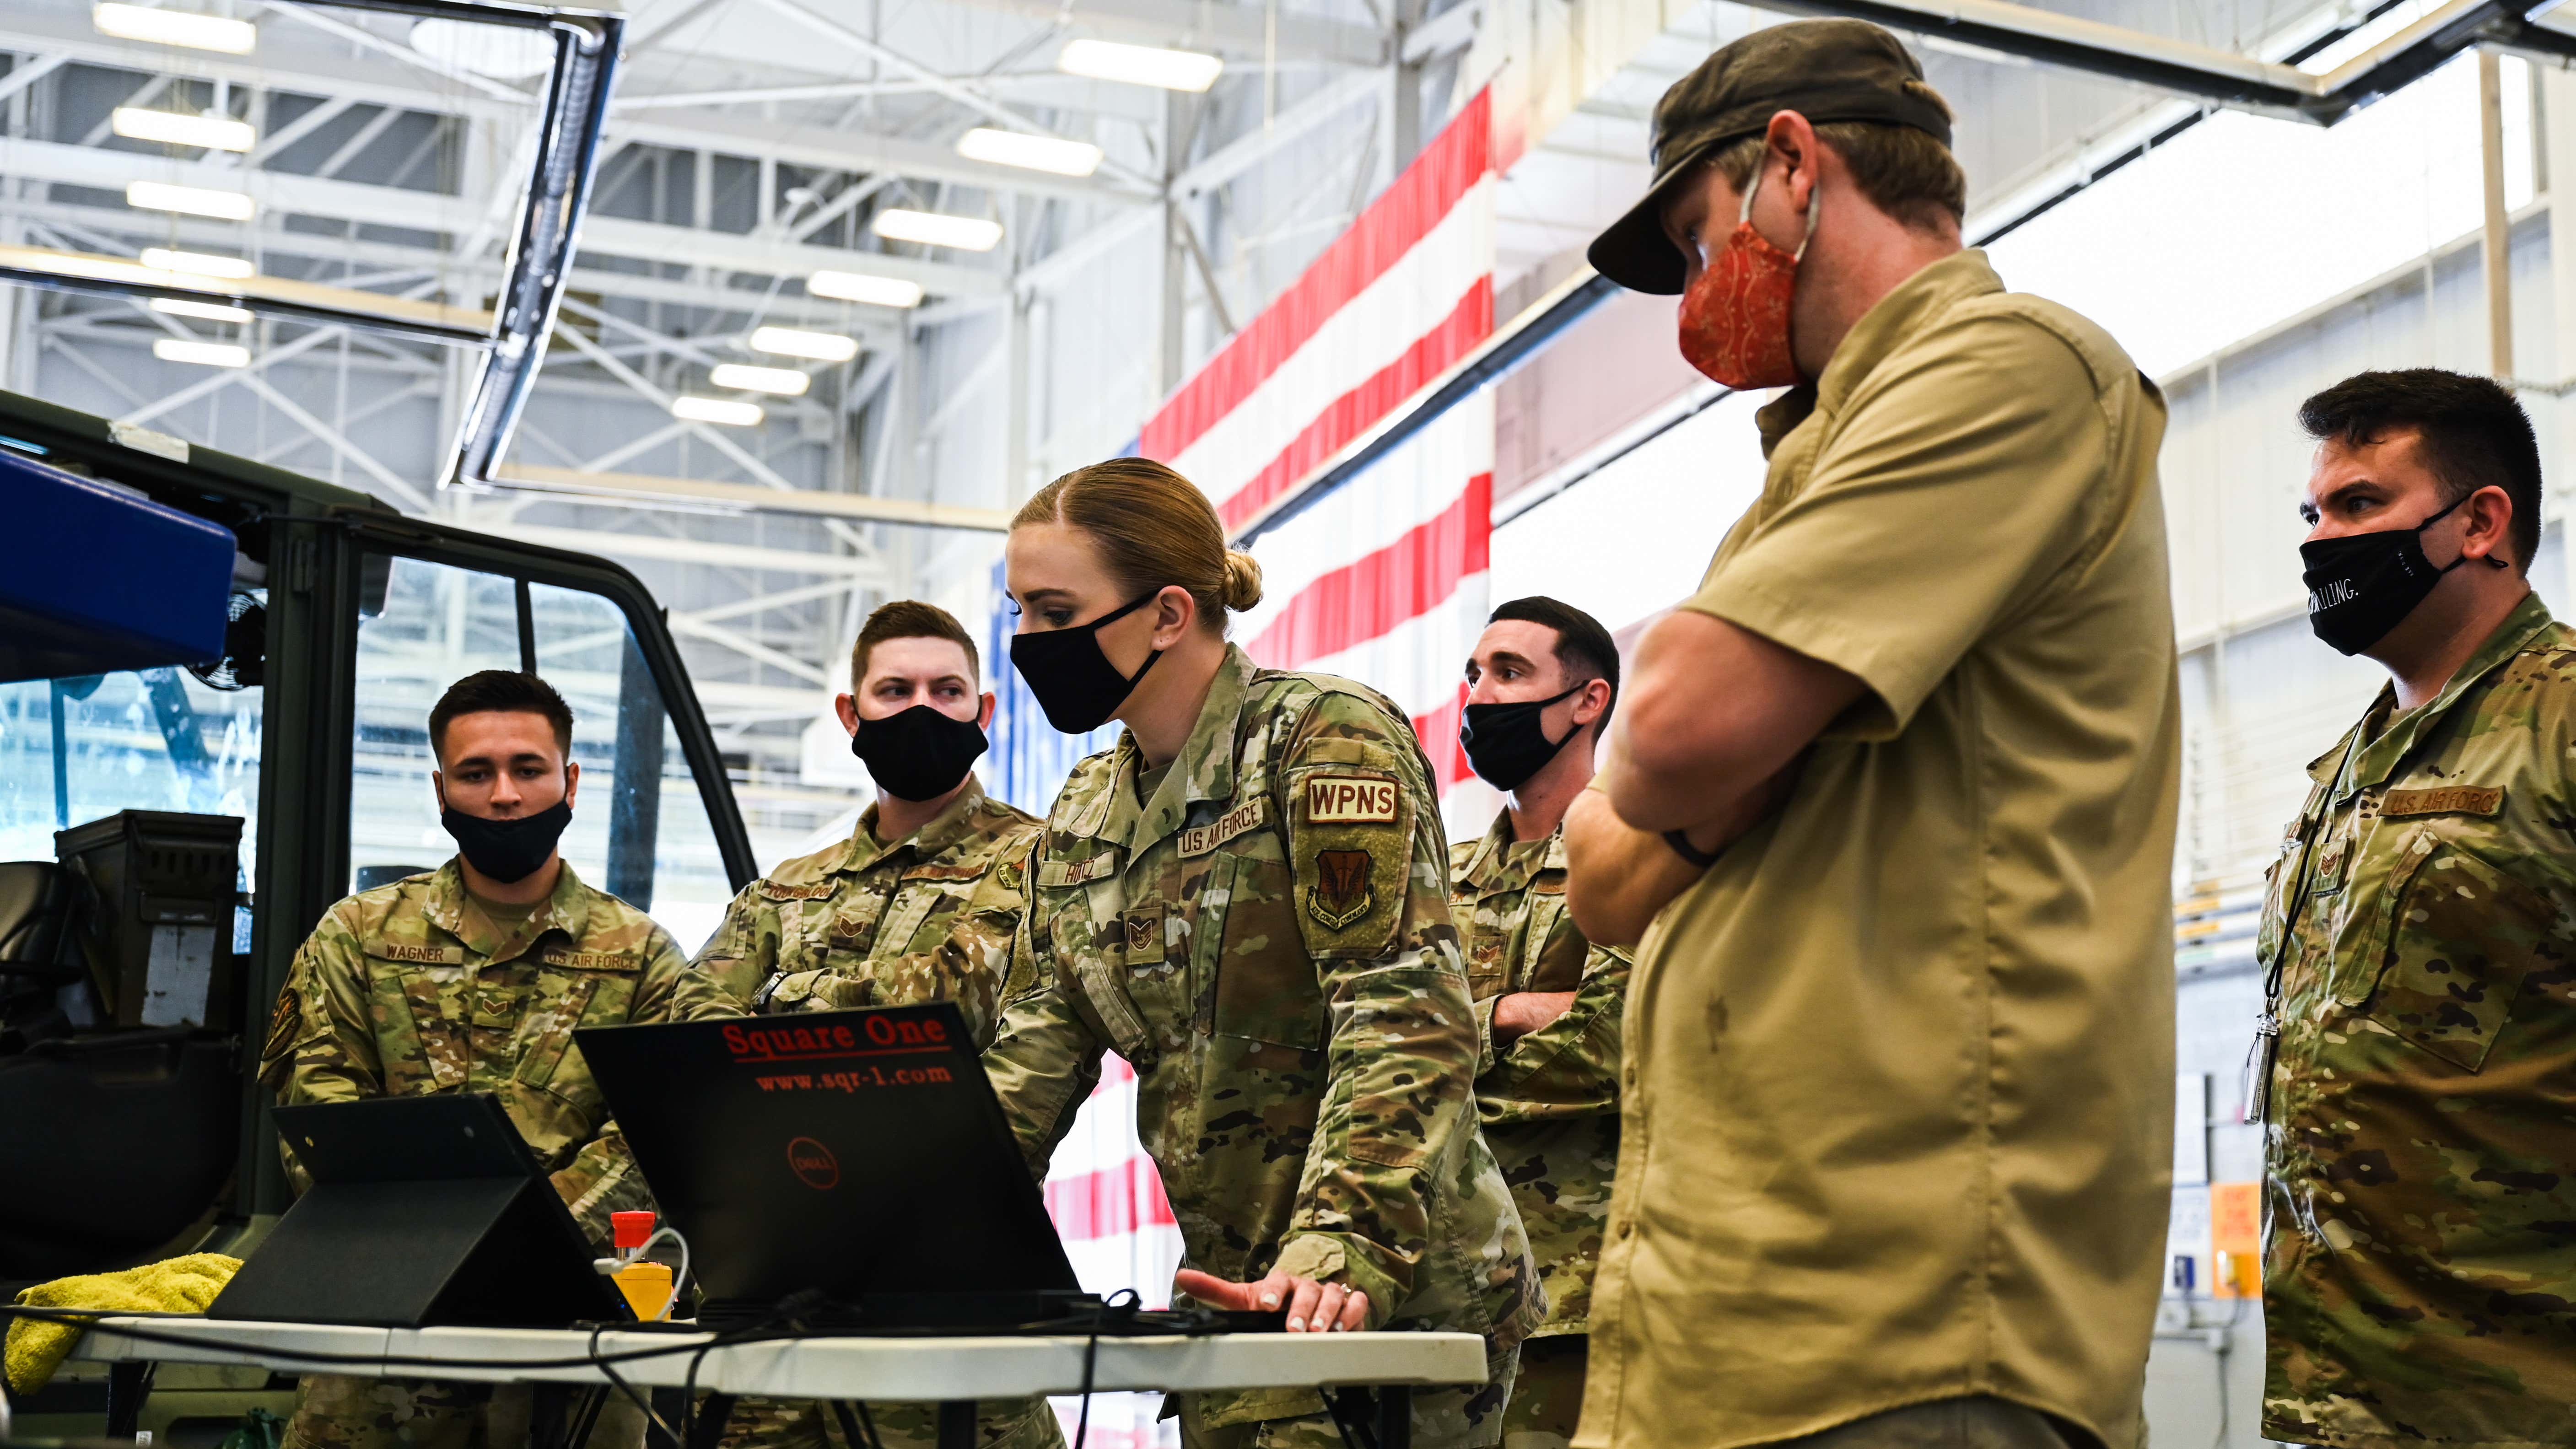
x=852 y=1152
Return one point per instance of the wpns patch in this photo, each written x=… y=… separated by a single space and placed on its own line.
x=1350 y=800
x=1340 y=894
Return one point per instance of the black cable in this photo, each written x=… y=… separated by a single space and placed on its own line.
x=1091 y=1350
x=2219 y=1357
x=88 y=1318
x=788 y=1314
x=610 y=1373
x=861 y=1433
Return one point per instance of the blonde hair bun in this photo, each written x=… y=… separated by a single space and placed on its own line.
x=1242 y=580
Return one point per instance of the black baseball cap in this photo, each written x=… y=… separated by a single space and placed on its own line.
x=1825 y=70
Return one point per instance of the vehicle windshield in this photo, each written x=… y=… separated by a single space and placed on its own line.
x=83 y=748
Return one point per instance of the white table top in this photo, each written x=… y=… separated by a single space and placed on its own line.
x=819 y=1368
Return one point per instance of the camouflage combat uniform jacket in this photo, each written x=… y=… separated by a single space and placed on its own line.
x=1266 y=939
x=875 y=923
x=2419 y=938
x=1550 y=1100
x=406 y=990
x=871 y=923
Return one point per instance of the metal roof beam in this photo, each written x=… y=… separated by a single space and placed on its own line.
x=874 y=326
x=287 y=62
x=831 y=149
x=390 y=206
x=1241 y=29
x=753 y=498
x=696 y=551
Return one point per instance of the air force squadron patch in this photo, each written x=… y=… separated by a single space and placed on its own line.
x=1340 y=894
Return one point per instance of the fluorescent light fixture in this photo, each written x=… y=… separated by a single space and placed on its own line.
x=189 y=200
x=717 y=410
x=205 y=354
x=175 y=27
x=790 y=342
x=203 y=264
x=938 y=229
x=786 y=381
x=1143 y=65
x=860 y=287
x=1031 y=153
x=503 y=52
x=136 y=123
x=209 y=311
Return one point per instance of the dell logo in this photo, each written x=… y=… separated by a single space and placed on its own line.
x=813 y=1163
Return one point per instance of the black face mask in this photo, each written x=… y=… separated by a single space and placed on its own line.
x=918 y=753
x=508 y=850
x=2362 y=585
x=1075 y=683
x=1506 y=743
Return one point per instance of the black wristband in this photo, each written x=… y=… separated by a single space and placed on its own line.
x=1679 y=840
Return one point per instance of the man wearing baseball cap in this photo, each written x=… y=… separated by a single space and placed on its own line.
x=1895 y=791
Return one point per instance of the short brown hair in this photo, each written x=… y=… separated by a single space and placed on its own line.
x=499 y=691
x=1584 y=650
x=1904 y=172
x=910 y=619
x=1154 y=529
x=2475 y=435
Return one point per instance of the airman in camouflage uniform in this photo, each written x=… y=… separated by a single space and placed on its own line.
x=409 y=990
x=1549 y=1100
x=1261 y=928
x=2419 y=935
x=877 y=923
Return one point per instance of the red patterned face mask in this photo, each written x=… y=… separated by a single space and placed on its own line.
x=1735 y=318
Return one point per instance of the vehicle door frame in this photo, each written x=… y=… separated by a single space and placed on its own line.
x=325 y=563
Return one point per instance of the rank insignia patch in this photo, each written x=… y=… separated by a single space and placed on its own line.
x=1340 y=894
x=1144 y=935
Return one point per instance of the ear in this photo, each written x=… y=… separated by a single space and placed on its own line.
x=438 y=790
x=1589 y=704
x=984 y=714
x=572 y=781
x=1175 y=611
x=847 y=707
x=2490 y=530
x=1792 y=141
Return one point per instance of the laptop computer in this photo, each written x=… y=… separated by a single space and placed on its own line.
x=860 y=1155
x=423 y=1210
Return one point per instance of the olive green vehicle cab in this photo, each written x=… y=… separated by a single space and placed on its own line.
x=208 y=814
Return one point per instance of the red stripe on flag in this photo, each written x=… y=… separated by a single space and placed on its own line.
x=1117 y=1199
x=1445 y=171
x=1354 y=412
x=1438 y=732
x=1372 y=594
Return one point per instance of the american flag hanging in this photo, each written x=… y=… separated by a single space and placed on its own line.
x=1383 y=580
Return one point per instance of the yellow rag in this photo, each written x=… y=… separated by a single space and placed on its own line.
x=175 y=1285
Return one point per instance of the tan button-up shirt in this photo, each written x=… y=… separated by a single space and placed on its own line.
x=1902 y=1117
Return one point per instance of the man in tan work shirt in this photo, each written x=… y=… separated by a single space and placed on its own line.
x=1890 y=802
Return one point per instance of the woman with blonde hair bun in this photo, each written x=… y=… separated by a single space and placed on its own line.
x=1247 y=899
